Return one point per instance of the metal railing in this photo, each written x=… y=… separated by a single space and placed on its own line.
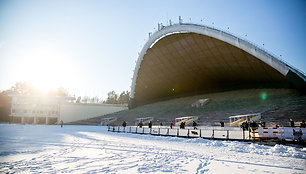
x=218 y=133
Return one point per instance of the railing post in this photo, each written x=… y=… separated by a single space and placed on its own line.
x=113 y=128
x=143 y=130
x=227 y=134
x=158 y=131
x=130 y=129
x=200 y=133
x=178 y=132
x=213 y=134
x=188 y=133
x=168 y=131
x=136 y=130
x=243 y=134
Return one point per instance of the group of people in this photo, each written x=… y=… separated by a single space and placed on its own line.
x=245 y=125
x=252 y=125
x=140 y=124
x=302 y=124
x=182 y=125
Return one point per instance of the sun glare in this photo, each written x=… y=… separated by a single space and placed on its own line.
x=46 y=70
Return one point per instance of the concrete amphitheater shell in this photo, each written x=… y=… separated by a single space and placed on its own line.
x=186 y=59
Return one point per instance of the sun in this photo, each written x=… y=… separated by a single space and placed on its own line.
x=46 y=70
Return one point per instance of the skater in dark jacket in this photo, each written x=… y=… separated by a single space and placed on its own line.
x=140 y=124
x=194 y=124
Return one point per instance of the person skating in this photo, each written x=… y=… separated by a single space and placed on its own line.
x=171 y=125
x=181 y=125
x=194 y=124
x=221 y=123
x=140 y=124
x=291 y=123
x=303 y=124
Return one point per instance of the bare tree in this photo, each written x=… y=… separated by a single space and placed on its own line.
x=78 y=100
x=124 y=97
x=112 y=98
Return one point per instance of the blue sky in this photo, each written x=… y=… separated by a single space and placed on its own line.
x=90 y=47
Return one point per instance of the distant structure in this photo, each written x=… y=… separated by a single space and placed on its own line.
x=107 y=121
x=28 y=109
x=144 y=120
x=200 y=102
x=183 y=59
x=35 y=109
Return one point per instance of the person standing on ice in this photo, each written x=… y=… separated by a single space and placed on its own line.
x=140 y=124
x=181 y=125
x=124 y=124
x=171 y=125
x=221 y=123
x=150 y=124
x=291 y=123
x=303 y=124
x=194 y=124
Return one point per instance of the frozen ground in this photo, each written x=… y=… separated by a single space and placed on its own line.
x=91 y=149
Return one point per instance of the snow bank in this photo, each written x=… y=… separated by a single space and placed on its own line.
x=92 y=149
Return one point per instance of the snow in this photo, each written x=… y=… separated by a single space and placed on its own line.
x=92 y=149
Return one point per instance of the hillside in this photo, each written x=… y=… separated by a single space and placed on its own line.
x=276 y=105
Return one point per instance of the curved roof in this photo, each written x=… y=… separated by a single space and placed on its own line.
x=188 y=58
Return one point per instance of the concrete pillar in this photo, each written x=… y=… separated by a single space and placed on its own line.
x=22 y=120
x=47 y=120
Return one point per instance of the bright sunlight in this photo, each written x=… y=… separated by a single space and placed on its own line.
x=46 y=69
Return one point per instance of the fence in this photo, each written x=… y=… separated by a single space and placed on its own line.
x=213 y=133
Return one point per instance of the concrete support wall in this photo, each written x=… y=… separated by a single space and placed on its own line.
x=70 y=112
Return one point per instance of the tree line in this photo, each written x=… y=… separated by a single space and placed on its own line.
x=112 y=98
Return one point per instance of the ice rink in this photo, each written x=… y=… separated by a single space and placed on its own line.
x=92 y=149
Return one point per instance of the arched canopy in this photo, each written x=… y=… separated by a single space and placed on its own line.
x=183 y=59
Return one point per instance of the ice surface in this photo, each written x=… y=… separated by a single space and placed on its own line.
x=92 y=149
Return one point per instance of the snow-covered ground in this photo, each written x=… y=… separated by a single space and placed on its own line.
x=91 y=149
